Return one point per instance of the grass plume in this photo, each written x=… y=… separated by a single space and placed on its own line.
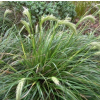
x=19 y=88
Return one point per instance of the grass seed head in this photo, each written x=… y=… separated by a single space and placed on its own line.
x=19 y=89
x=49 y=17
x=26 y=25
x=69 y=24
x=89 y=17
x=95 y=45
x=55 y=80
x=7 y=12
x=97 y=53
x=26 y=12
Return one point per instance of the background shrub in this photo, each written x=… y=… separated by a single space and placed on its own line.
x=60 y=9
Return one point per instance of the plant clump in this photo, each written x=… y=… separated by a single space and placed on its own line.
x=55 y=63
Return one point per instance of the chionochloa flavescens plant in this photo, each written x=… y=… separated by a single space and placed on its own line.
x=54 y=63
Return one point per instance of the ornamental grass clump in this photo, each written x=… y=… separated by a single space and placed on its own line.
x=52 y=64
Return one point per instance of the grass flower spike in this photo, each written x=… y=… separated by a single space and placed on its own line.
x=95 y=45
x=49 y=17
x=5 y=13
x=55 y=80
x=89 y=17
x=19 y=89
x=97 y=53
x=26 y=12
x=26 y=24
x=69 y=24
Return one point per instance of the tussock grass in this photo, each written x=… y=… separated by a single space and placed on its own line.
x=51 y=64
